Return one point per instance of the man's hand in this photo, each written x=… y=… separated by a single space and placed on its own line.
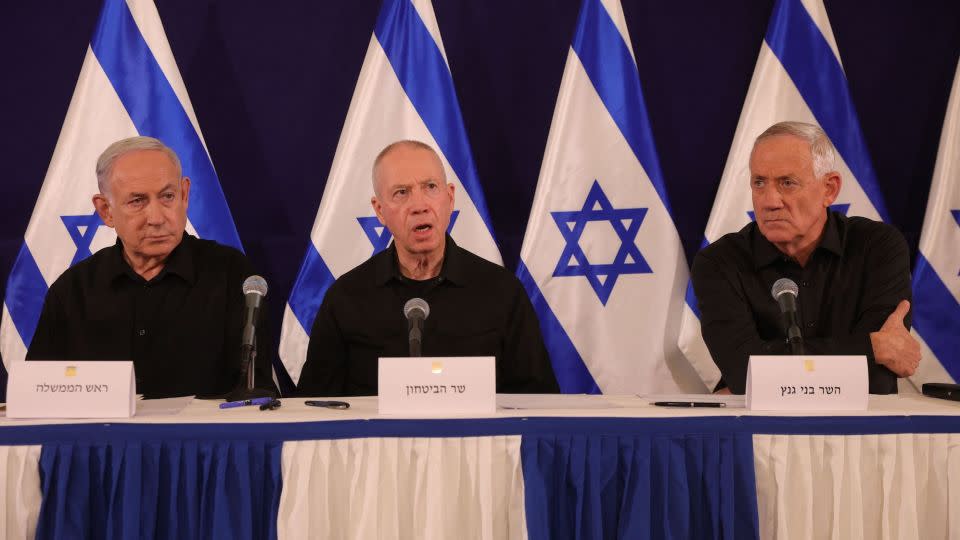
x=893 y=346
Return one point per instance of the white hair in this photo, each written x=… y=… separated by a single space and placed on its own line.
x=125 y=146
x=822 y=152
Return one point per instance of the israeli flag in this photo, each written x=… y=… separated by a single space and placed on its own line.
x=936 y=277
x=405 y=91
x=601 y=258
x=129 y=85
x=798 y=77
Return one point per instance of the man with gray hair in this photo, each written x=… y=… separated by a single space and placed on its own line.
x=853 y=273
x=171 y=303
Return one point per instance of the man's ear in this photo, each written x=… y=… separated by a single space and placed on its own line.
x=377 y=209
x=832 y=181
x=185 y=191
x=102 y=204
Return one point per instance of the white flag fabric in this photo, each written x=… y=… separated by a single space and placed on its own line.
x=405 y=91
x=129 y=85
x=936 y=277
x=601 y=259
x=798 y=77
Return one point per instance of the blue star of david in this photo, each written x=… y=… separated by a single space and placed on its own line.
x=839 y=208
x=380 y=236
x=625 y=222
x=82 y=229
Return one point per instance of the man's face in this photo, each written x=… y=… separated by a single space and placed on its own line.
x=146 y=203
x=789 y=201
x=413 y=200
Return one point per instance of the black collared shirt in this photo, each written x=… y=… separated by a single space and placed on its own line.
x=853 y=280
x=182 y=329
x=476 y=309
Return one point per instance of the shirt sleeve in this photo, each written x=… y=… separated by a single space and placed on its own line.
x=324 y=371
x=731 y=335
x=525 y=367
x=46 y=343
x=884 y=284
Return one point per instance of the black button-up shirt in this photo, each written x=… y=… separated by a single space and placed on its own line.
x=853 y=280
x=182 y=329
x=476 y=309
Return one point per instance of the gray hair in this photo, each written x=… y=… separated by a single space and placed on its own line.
x=125 y=146
x=407 y=143
x=822 y=152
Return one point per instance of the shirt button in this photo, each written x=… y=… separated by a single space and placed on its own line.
x=142 y=332
x=811 y=324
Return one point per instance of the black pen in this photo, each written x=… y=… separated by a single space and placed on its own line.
x=688 y=404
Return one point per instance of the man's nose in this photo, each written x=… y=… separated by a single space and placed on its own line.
x=417 y=201
x=769 y=198
x=155 y=213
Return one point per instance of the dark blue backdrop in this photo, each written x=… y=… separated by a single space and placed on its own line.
x=271 y=82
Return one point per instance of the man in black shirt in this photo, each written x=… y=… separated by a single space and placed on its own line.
x=171 y=303
x=476 y=307
x=853 y=273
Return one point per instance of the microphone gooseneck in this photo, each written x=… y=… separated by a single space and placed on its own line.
x=416 y=310
x=785 y=292
x=254 y=290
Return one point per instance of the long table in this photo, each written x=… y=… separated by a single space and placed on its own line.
x=608 y=467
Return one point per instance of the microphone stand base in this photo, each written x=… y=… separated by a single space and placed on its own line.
x=242 y=392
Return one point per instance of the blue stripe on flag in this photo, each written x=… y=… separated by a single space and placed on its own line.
x=938 y=318
x=572 y=374
x=157 y=112
x=312 y=283
x=426 y=79
x=26 y=290
x=613 y=72
x=691 y=297
x=794 y=38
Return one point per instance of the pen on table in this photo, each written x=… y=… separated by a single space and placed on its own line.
x=688 y=404
x=245 y=402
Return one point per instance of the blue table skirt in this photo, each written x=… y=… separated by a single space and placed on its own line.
x=584 y=477
x=160 y=489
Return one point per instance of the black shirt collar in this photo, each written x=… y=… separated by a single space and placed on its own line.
x=765 y=253
x=451 y=269
x=179 y=263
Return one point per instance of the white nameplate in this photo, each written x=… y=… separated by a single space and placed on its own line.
x=443 y=386
x=41 y=389
x=807 y=383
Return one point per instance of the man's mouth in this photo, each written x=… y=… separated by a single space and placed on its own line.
x=423 y=227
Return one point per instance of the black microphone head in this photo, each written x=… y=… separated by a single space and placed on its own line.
x=784 y=285
x=256 y=285
x=416 y=304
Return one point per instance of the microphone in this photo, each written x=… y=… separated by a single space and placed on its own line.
x=254 y=289
x=416 y=310
x=785 y=291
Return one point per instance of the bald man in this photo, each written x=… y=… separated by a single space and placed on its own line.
x=476 y=307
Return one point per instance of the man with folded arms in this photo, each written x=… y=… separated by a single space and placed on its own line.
x=853 y=273
x=171 y=303
x=476 y=307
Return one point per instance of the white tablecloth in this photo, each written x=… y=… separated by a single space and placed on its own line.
x=844 y=486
